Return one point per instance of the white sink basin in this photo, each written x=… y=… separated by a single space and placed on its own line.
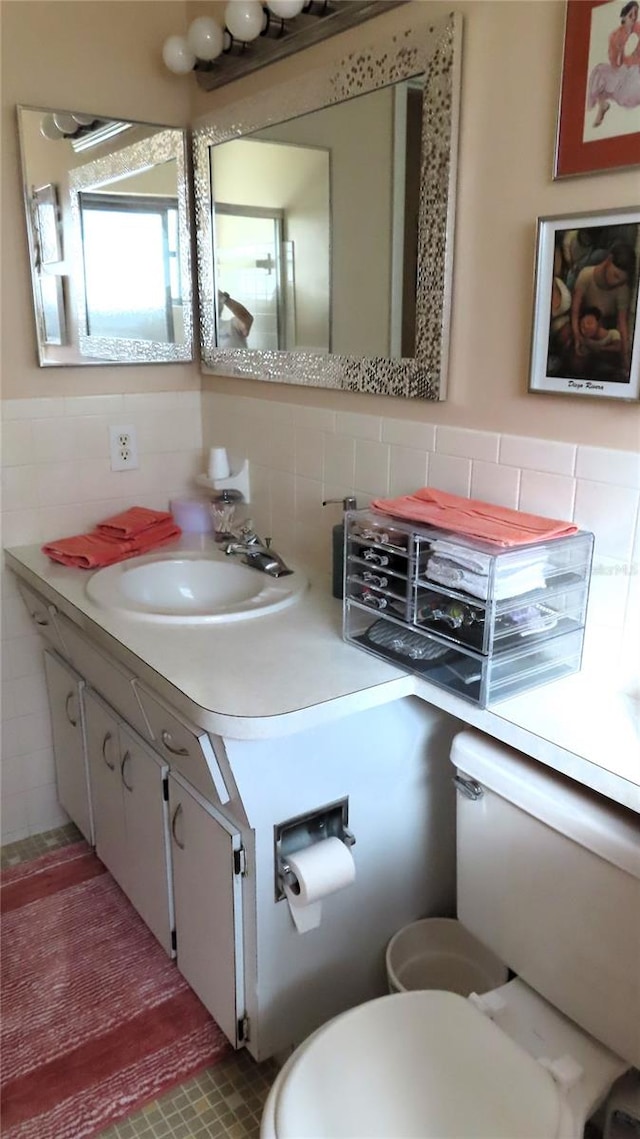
x=191 y=588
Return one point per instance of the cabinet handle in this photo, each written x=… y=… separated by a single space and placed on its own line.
x=39 y=620
x=74 y=723
x=176 y=813
x=105 y=741
x=167 y=739
x=126 y=756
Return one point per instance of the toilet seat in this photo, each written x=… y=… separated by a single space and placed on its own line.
x=424 y=1065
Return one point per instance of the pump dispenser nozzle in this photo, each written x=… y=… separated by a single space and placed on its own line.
x=348 y=503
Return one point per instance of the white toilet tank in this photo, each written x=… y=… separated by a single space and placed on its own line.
x=549 y=879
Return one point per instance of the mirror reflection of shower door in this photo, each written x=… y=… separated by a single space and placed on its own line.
x=255 y=266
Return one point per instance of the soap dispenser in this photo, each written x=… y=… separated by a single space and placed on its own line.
x=337 y=540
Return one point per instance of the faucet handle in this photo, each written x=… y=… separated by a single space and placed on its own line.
x=246 y=534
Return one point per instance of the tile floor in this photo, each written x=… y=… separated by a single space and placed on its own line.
x=223 y=1102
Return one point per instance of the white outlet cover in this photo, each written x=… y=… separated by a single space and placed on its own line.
x=123 y=447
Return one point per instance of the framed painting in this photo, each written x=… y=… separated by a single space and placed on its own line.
x=599 y=114
x=586 y=338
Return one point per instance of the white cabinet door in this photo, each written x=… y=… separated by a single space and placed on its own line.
x=103 y=748
x=65 y=689
x=206 y=857
x=145 y=818
x=128 y=783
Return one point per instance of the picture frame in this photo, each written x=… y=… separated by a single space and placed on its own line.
x=599 y=111
x=586 y=319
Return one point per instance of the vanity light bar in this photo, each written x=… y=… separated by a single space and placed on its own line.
x=256 y=34
x=101 y=134
x=82 y=131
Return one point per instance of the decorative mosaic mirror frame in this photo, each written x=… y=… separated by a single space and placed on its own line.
x=435 y=52
x=163 y=146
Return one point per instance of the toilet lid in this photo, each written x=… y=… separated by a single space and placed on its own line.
x=421 y=1065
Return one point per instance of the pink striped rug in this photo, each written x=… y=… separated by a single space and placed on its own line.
x=97 y=1021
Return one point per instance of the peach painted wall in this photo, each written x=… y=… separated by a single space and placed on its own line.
x=102 y=57
x=105 y=57
x=512 y=54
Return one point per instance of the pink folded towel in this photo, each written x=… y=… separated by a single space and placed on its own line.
x=99 y=548
x=497 y=524
x=129 y=523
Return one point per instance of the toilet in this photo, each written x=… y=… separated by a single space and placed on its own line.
x=549 y=879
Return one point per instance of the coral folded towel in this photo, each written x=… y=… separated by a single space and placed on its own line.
x=132 y=522
x=497 y=524
x=108 y=543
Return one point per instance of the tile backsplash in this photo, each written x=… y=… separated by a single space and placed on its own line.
x=57 y=481
x=300 y=456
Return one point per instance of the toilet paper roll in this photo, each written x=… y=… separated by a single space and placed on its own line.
x=218 y=463
x=320 y=870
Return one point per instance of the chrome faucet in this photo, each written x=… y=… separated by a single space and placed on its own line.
x=255 y=553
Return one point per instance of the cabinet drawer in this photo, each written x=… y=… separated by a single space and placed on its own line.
x=187 y=748
x=379 y=591
x=478 y=678
x=504 y=626
x=111 y=680
x=45 y=617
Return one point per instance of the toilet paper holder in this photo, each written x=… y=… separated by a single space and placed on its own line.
x=329 y=821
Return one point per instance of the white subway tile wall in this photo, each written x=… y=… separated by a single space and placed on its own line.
x=492 y=482
x=56 y=481
x=369 y=456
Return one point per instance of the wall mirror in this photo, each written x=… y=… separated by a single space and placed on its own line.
x=108 y=228
x=325 y=208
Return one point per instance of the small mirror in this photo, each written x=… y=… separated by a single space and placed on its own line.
x=109 y=242
x=325 y=212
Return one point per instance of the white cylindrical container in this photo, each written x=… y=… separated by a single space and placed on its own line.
x=439 y=953
x=218 y=467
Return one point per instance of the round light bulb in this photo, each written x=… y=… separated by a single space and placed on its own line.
x=245 y=19
x=205 y=38
x=178 y=56
x=286 y=9
x=65 y=122
x=49 y=129
x=84 y=120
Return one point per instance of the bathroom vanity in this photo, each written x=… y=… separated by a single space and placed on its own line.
x=193 y=805
x=197 y=757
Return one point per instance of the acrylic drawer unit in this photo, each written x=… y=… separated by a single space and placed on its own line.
x=479 y=619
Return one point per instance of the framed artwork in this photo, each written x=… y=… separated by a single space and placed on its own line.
x=599 y=115
x=586 y=335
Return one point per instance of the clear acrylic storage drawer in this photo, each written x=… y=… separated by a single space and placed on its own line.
x=481 y=679
x=480 y=620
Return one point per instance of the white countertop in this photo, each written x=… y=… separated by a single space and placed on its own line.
x=274 y=675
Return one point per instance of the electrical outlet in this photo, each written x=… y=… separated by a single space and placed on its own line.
x=123 y=448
